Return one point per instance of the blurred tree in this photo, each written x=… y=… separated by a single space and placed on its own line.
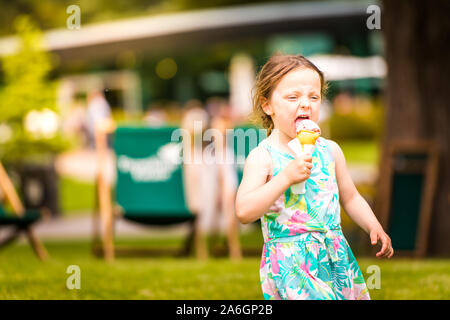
x=417 y=52
x=50 y=14
x=28 y=113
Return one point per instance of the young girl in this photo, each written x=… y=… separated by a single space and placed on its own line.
x=305 y=253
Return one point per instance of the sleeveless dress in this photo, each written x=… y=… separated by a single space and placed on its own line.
x=305 y=253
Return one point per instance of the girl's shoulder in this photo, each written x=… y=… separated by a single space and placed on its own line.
x=260 y=153
x=260 y=158
x=334 y=149
x=328 y=142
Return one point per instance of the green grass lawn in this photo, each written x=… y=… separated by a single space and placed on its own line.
x=76 y=196
x=22 y=276
x=360 y=151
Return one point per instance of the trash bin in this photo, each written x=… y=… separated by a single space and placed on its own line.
x=39 y=187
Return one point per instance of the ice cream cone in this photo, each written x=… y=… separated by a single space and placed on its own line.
x=306 y=137
x=307 y=134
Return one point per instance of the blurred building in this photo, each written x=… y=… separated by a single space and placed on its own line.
x=212 y=52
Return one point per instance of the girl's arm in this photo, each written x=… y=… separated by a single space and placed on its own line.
x=255 y=196
x=356 y=207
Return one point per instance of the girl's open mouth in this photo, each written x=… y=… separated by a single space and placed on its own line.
x=301 y=118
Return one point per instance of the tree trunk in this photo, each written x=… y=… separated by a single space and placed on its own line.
x=417 y=51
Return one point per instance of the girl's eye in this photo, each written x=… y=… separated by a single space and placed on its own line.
x=315 y=97
x=292 y=98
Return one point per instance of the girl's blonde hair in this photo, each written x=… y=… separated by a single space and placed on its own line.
x=268 y=77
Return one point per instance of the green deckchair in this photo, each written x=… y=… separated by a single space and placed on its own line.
x=149 y=185
x=20 y=219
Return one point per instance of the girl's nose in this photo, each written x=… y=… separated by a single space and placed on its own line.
x=304 y=103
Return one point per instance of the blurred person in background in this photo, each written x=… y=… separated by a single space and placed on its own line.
x=155 y=116
x=74 y=121
x=98 y=110
x=195 y=121
x=227 y=178
x=210 y=183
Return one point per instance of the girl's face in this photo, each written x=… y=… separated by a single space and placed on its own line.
x=297 y=95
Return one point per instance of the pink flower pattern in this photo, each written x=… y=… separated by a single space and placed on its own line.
x=300 y=217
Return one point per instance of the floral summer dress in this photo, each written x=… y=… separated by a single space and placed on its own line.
x=305 y=253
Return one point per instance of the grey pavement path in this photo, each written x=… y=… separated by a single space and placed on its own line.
x=82 y=227
x=79 y=227
x=81 y=164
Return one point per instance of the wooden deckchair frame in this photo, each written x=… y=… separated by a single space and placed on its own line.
x=18 y=209
x=430 y=173
x=104 y=230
